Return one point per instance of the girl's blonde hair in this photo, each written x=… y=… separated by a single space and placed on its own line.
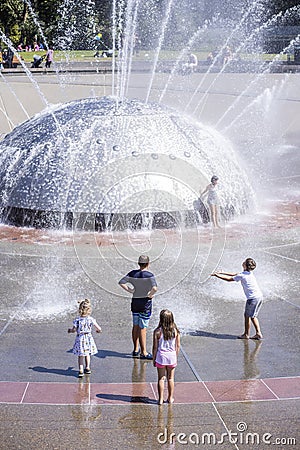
x=167 y=324
x=85 y=307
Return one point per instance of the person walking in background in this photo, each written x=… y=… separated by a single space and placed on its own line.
x=49 y=57
x=166 y=345
x=143 y=288
x=212 y=200
x=253 y=294
x=84 y=345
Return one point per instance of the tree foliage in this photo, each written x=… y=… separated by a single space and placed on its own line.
x=73 y=24
x=23 y=20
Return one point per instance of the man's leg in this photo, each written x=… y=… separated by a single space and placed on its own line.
x=142 y=338
x=135 y=337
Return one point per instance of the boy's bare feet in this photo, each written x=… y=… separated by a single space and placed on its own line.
x=257 y=337
x=171 y=400
x=243 y=336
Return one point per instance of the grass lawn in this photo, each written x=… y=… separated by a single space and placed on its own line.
x=88 y=55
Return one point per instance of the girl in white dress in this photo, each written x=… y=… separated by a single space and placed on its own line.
x=212 y=200
x=84 y=345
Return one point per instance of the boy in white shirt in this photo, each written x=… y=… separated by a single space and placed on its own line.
x=253 y=294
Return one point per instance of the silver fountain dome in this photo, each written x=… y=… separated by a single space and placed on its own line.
x=102 y=162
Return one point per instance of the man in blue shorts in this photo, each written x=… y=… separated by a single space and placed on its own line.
x=253 y=294
x=143 y=289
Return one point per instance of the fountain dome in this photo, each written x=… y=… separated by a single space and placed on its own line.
x=101 y=161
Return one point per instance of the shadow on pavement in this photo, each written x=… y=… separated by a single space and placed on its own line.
x=212 y=335
x=69 y=372
x=110 y=353
x=127 y=398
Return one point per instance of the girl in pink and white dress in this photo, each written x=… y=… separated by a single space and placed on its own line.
x=166 y=345
x=84 y=345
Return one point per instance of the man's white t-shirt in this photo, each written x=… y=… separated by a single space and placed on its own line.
x=249 y=284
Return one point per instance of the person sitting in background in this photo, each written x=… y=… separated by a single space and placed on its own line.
x=227 y=55
x=210 y=58
x=4 y=58
x=37 y=61
x=190 y=65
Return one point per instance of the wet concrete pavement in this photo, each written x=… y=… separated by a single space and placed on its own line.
x=222 y=384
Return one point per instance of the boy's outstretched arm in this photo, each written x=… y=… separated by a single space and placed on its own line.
x=227 y=273
x=223 y=276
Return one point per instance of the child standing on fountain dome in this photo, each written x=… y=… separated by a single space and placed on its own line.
x=253 y=294
x=84 y=345
x=166 y=345
x=212 y=200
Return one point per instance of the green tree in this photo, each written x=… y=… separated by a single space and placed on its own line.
x=19 y=19
x=275 y=6
x=13 y=19
x=76 y=24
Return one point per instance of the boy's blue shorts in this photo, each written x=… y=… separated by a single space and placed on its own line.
x=140 y=320
x=252 y=307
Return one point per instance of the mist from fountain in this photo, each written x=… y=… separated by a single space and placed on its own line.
x=181 y=56
x=164 y=24
x=260 y=99
x=248 y=40
x=15 y=95
x=259 y=77
x=228 y=40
